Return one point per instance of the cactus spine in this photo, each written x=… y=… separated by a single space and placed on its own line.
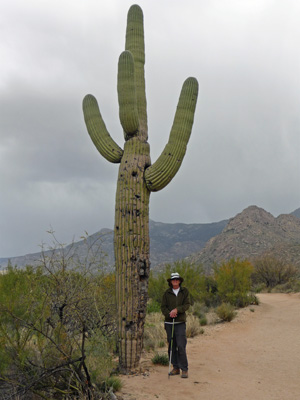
x=136 y=180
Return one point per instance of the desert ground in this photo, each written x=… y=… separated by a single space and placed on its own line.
x=256 y=356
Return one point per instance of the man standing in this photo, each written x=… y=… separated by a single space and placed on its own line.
x=175 y=302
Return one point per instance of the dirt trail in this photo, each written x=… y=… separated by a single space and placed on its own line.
x=256 y=356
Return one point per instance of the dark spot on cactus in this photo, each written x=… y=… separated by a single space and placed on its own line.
x=137 y=196
x=117 y=228
x=134 y=173
x=138 y=213
x=129 y=325
x=143 y=272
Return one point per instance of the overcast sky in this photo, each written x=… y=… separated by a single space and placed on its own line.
x=245 y=143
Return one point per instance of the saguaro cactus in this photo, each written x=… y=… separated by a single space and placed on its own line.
x=137 y=179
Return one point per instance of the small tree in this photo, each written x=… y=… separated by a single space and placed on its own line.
x=234 y=281
x=56 y=325
x=272 y=271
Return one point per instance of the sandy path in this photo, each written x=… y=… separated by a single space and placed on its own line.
x=256 y=356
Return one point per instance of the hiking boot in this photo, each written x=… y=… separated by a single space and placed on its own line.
x=184 y=374
x=175 y=371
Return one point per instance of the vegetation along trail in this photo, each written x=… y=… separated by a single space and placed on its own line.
x=256 y=356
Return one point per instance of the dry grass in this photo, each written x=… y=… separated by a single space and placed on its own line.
x=193 y=327
x=155 y=335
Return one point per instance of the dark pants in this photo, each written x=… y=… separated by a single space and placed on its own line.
x=179 y=358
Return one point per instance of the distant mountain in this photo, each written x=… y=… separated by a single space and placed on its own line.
x=296 y=213
x=96 y=247
x=171 y=242
x=168 y=243
x=252 y=233
x=249 y=234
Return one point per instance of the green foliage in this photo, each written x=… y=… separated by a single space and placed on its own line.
x=113 y=382
x=271 y=272
x=160 y=359
x=226 y=312
x=233 y=280
x=57 y=324
x=193 y=275
x=153 y=306
x=292 y=286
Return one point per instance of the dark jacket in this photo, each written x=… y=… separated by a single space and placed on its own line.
x=171 y=301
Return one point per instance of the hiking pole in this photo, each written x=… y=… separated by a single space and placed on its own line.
x=171 y=348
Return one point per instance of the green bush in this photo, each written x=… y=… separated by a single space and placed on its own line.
x=226 y=312
x=112 y=382
x=272 y=272
x=198 y=309
x=234 y=282
x=57 y=327
x=160 y=359
x=153 y=306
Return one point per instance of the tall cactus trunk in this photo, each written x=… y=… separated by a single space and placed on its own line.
x=137 y=178
x=131 y=241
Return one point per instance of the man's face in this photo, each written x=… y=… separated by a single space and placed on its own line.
x=175 y=283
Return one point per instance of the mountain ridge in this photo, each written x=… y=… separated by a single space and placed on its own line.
x=251 y=233
x=168 y=243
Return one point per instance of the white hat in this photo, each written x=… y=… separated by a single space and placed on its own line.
x=175 y=275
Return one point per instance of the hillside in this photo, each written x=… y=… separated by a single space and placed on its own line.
x=168 y=243
x=249 y=234
x=252 y=233
x=296 y=213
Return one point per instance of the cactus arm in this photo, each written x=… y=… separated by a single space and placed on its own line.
x=128 y=112
x=159 y=174
x=136 y=45
x=106 y=146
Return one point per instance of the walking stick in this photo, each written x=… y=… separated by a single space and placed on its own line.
x=171 y=348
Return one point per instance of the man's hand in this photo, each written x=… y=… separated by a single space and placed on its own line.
x=173 y=313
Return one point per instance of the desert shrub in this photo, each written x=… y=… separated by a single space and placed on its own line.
x=153 y=306
x=57 y=325
x=226 y=312
x=210 y=296
x=154 y=331
x=234 y=282
x=253 y=299
x=198 y=309
x=193 y=327
x=271 y=272
x=160 y=359
x=113 y=383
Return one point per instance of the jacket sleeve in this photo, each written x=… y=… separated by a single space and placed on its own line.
x=164 y=306
x=186 y=302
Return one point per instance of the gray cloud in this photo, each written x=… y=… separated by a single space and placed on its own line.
x=245 y=141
